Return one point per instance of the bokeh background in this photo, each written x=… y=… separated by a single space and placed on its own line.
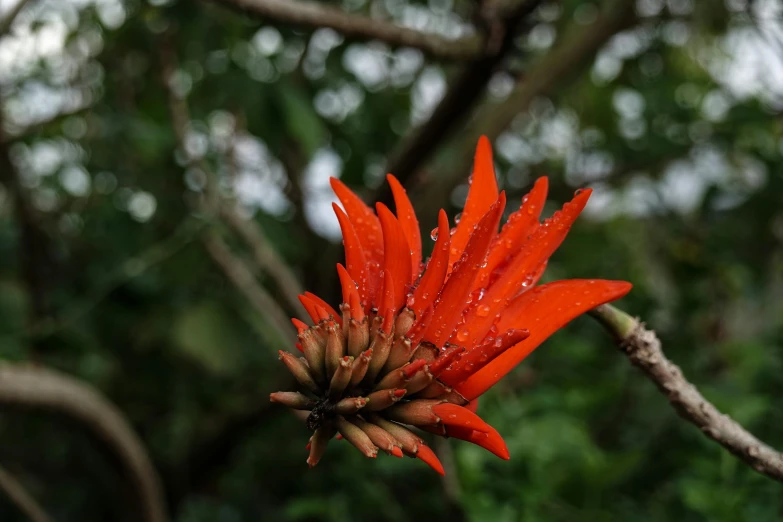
x=165 y=170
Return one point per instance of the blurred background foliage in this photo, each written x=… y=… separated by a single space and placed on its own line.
x=137 y=130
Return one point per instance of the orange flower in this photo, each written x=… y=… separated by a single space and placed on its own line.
x=417 y=344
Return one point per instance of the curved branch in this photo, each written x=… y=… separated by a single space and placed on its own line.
x=317 y=15
x=19 y=496
x=40 y=388
x=461 y=97
x=643 y=349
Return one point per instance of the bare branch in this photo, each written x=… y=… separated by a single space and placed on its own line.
x=574 y=53
x=44 y=389
x=19 y=496
x=8 y=19
x=303 y=13
x=266 y=256
x=242 y=277
x=463 y=93
x=643 y=349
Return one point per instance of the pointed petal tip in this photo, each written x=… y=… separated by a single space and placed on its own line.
x=397 y=452
x=428 y=456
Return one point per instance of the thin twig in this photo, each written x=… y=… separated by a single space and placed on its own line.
x=643 y=349
x=574 y=52
x=241 y=276
x=463 y=93
x=316 y=15
x=8 y=19
x=39 y=388
x=20 y=497
x=266 y=256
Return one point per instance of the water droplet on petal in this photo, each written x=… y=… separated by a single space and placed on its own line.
x=434 y=234
x=483 y=311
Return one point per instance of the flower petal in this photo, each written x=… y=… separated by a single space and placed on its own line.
x=435 y=273
x=428 y=457
x=326 y=306
x=452 y=299
x=515 y=232
x=543 y=311
x=397 y=257
x=355 y=259
x=408 y=222
x=368 y=230
x=491 y=441
x=521 y=271
x=482 y=195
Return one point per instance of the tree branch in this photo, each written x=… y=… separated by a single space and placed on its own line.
x=19 y=496
x=44 y=389
x=575 y=51
x=8 y=19
x=242 y=277
x=266 y=257
x=462 y=95
x=643 y=349
x=315 y=15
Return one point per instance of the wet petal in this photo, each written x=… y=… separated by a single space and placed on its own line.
x=543 y=311
x=355 y=259
x=482 y=194
x=514 y=233
x=397 y=258
x=452 y=299
x=409 y=223
x=435 y=273
x=522 y=269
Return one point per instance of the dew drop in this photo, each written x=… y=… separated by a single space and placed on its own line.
x=457 y=218
x=463 y=335
x=434 y=234
x=483 y=311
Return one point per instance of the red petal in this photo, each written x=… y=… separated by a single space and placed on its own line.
x=522 y=269
x=299 y=325
x=310 y=307
x=409 y=223
x=453 y=415
x=472 y=405
x=515 y=232
x=397 y=258
x=482 y=194
x=354 y=254
x=452 y=299
x=491 y=441
x=437 y=267
x=350 y=293
x=428 y=456
x=387 y=309
x=482 y=355
x=543 y=311
x=368 y=230
x=323 y=304
x=444 y=359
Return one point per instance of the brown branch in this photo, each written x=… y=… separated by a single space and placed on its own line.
x=643 y=349
x=574 y=52
x=266 y=256
x=463 y=93
x=242 y=277
x=315 y=15
x=8 y=20
x=44 y=389
x=23 y=501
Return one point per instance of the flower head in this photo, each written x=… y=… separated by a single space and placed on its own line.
x=415 y=344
